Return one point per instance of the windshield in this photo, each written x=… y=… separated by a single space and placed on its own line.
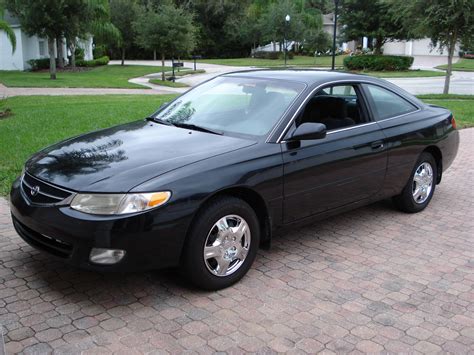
x=247 y=106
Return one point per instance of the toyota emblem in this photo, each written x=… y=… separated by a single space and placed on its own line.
x=34 y=190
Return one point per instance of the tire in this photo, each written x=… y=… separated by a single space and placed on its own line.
x=221 y=241
x=417 y=193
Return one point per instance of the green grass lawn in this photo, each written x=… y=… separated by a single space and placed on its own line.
x=108 y=76
x=298 y=61
x=462 y=65
x=39 y=121
x=306 y=61
x=404 y=74
x=168 y=83
x=188 y=72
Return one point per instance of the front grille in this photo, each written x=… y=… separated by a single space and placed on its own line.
x=52 y=245
x=42 y=193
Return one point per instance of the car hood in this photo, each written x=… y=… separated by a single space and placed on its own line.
x=118 y=158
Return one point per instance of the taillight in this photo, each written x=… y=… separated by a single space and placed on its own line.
x=453 y=122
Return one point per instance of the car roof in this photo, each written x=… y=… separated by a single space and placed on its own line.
x=307 y=76
x=315 y=77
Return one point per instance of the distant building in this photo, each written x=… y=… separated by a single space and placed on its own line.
x=411 y=48
x=29 y=47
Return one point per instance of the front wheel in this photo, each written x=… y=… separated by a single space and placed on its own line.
x=420 y=187
x=222 y=244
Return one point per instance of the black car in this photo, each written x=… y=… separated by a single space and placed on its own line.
x=210 y=177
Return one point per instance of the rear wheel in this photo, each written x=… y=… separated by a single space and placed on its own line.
x=222 y=244
x=419 y=190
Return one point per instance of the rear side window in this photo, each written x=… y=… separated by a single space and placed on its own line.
x=387 y=104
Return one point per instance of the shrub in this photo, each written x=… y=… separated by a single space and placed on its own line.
x=39 y=64
x=94 y=62
x=289 y=55
x=99 y=51
x=468 y=55
x=79 y=53
x=266 y=55
x=378 y=62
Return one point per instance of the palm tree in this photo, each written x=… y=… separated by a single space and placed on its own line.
x=7 y=28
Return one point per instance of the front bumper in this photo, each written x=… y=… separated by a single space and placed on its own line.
x=152 y=240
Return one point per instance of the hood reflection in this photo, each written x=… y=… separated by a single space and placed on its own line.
x=87 y=159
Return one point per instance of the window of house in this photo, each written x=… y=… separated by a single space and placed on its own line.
x=388 y=104
x=42 y=48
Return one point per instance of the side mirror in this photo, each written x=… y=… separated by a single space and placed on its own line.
x=308 y=131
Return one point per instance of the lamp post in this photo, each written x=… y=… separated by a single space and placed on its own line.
x=285 y=45
x=336 y=4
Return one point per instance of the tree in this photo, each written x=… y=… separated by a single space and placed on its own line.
x=4 y=26
x=274 y=26
x=91 y=19
x=45 y=18
x=315 y=38
x=123 y=13
x=370 y=18
x=168 y=29
x=446 y=23
x=216 y=26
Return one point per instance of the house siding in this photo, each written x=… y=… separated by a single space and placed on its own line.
x=9 y=60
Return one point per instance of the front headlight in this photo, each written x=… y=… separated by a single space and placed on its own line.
x=114 y=204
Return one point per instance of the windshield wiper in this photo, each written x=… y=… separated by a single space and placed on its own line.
x=197 y=128
x=158 y=120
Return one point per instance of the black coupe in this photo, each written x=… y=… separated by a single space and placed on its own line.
x=210 y=177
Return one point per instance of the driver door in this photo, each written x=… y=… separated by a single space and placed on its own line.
x=346 y=166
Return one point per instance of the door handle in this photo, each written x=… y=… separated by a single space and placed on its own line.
x=376 y=145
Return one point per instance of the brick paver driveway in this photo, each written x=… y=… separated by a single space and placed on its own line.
x=371 y=280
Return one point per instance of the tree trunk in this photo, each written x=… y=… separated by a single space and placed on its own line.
x=52 y=59
x=274 y=46
x=59 y=45
x=452 y=45
x=72 y=48
x=163 y=67
x=379 y=42
x=154 y=55
x=123 y=56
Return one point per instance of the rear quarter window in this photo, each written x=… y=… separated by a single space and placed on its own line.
x=387 y=104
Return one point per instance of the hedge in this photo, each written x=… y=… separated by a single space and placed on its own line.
x=94 y=62
x=378 y=62
x=272 y=55
x=39 y=64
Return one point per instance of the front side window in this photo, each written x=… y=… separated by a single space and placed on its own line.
x=247 y=106
x=336 y=106
x=388 y=104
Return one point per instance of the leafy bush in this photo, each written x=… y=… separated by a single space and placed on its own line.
x=94 y=62
x=266 y=55
x=467 y=55
x=79 y=53
x=39 y=64
x=289 y=55
x=378 y=62
x=99 y=51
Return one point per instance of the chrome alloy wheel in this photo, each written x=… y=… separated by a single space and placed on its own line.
x=227 y=245
x=422 y=182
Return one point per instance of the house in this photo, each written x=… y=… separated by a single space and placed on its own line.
x=29 y=47
x=421 y=47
